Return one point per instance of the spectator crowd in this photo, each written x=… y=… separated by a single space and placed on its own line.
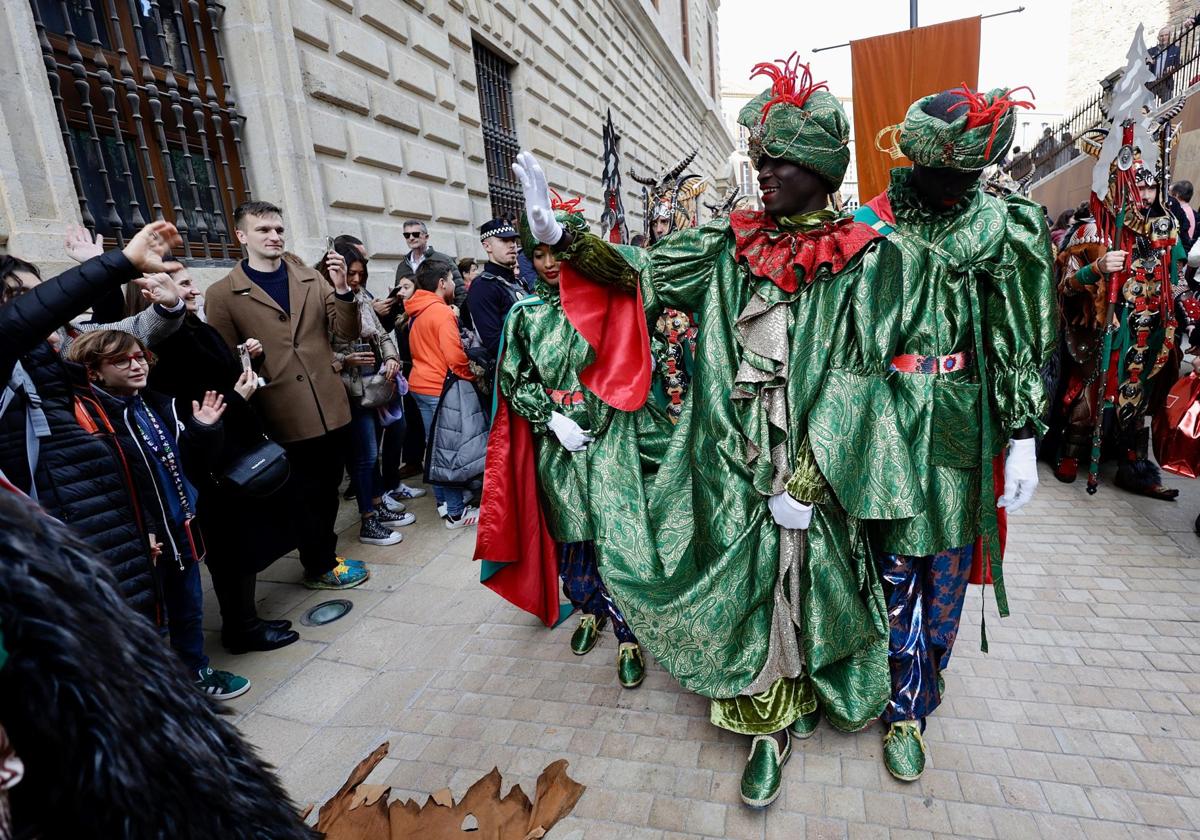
x=169 y=427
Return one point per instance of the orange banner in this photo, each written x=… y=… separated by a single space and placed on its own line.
x=891 y=72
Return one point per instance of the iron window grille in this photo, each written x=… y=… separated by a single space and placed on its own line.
x=148 y=117
x=493 y=76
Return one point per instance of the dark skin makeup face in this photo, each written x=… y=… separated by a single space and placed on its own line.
x=789 y=189
x=943 y=187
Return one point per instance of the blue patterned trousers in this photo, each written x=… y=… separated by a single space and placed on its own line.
x=585 y=590
x=925 y=599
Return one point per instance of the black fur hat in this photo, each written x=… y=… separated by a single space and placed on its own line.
x=116 y=742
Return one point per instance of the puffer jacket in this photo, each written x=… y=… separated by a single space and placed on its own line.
x=457 y=448
x=80 y=477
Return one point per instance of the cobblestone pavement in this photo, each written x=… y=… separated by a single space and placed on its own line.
x=1079 y=723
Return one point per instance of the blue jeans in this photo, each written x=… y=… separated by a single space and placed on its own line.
x=451 y=496
x=184 y=601
x=363 y=459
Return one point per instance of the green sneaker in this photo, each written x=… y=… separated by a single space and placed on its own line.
x=763 y=775
x=631 y=668
x=221 y=685
x=904 y=750
x=341 y=576
x=804 y=726
x=586 y=635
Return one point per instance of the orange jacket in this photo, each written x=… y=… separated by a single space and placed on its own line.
x=435 y=344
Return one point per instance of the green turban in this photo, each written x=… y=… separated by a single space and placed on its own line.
x=975 y=134
x=569 y=217
x=801 y=123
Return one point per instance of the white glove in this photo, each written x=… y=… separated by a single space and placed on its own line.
x=789 y=512
x=542 y=223
x=1020 y=474
x=568 y=432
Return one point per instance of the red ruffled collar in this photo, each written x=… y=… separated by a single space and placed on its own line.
x=781 y=256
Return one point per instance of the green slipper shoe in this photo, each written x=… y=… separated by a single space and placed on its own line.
x=631 y=669
x=586 y=635
x=763 y=776
x=904 y=750
x=805 y=725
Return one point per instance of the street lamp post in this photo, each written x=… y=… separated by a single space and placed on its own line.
x=912 y=14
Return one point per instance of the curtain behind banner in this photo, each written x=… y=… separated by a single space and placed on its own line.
x=890 y=72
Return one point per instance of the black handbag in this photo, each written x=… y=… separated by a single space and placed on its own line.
x=258 y=472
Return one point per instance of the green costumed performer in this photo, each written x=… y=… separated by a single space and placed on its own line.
x=743 y=568
x=538 y=376
x=979 y=323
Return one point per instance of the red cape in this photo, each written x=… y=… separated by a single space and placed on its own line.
x=520 y=558
x=613 y=322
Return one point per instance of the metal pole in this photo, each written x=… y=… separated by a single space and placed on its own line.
x=914 y=6
x=912 y=14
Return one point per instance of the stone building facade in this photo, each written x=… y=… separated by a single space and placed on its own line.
x=358 y=114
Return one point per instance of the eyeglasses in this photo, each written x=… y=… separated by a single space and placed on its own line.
x=126 y=362
x=413 y=234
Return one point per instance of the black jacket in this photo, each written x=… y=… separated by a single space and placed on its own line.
x=80 y=477
x=240 y=534
x=197 y=446
x=492 y=294
x=405 y=270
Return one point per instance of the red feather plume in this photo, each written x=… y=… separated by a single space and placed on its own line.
x=558 y=203
x=788 y=84
x=980 y=112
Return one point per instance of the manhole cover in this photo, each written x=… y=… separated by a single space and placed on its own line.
x=326 y=612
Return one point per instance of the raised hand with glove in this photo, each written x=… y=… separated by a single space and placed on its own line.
x=542 y=223
x=569 y=433
x=789 y=512
x=1020 y=474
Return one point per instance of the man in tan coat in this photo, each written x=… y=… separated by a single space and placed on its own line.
x=285 y=312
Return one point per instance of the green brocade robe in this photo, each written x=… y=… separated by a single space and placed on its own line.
x=780 y=380
x=978 y=279
x=542 y=351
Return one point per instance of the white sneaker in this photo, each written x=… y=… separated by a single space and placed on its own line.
x=406 y=492
x=469 y=517
x=391 y=501
x=443 y=511
x=398 y=520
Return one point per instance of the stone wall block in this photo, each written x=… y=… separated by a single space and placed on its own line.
x=385 y=240
x=376 y=147
x=309 y=23
x=467 y=244
x=430 y=41
x=326 y=81
x=456 y=170
x=441 y=126
x=473 y=144
x=359 y=46
x=446 y=91
x=468 y=108
x=424 y=161
x=414 y=73
x=351 y=189
x=451 y=207
x=329 y=133
x=477 y=180
x=387 y=16
x=407 y=199
x=391 y=107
